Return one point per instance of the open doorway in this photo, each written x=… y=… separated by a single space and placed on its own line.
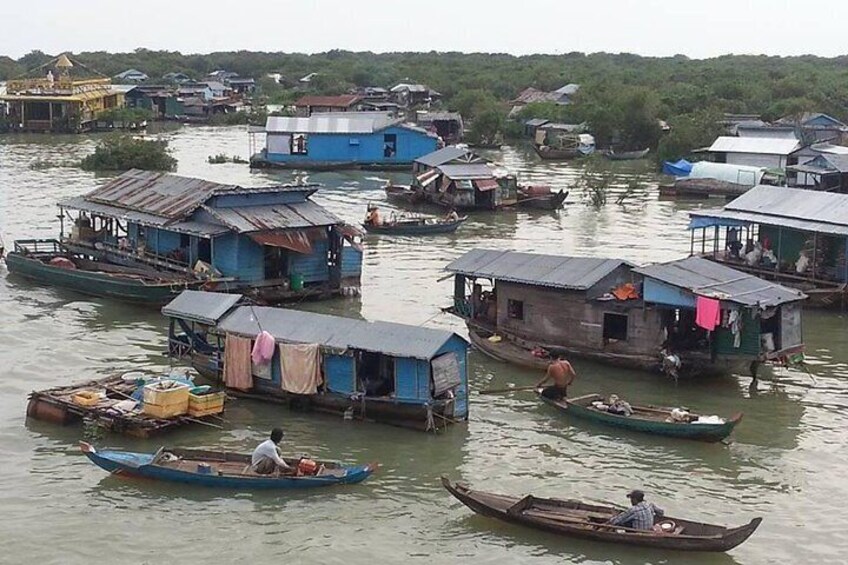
x=376 y=373
x=276 y=262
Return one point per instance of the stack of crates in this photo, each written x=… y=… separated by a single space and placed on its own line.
x=166 y=399
x=205 y=403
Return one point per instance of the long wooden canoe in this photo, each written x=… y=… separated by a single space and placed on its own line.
x=645 y=419
x=577 y=519
x=218 y=469
x=418 y=226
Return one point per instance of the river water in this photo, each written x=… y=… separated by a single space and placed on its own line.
x=787 y=461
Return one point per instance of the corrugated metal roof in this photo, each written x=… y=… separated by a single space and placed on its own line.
x=428 y=117
x=246 y=219
x=445 y=155
x=759 y=145
x=467 y=171
x=202 y=307
x=571 y=273
x=330 y=123
x=810 y=210
x=189 y=227
x=535 y=122
x=708 y=278
x=162 y=194
x=295 y=326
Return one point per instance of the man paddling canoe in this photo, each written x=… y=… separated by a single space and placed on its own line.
x=562 y=374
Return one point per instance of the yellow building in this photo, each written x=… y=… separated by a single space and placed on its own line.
x=58 y=101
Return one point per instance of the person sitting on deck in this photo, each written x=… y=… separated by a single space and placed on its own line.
x=618 y=406
x=640 y=516
x=452 y=216
x=562 y=374
x=266 y=457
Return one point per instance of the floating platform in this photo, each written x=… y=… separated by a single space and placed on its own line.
x=65 y=405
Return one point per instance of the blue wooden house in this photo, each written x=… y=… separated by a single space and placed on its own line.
x=373 y=140
x=393 y=373
x=273 y=242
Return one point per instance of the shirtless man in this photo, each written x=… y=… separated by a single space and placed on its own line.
x=562 y=374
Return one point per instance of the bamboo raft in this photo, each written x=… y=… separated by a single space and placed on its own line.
x=57 y=405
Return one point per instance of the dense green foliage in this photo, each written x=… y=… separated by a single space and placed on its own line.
x=125 y=115
x=120 y=152
x=621 y=98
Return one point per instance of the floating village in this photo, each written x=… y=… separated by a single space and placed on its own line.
x=234 y=270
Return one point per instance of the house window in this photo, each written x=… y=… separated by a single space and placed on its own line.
x=298 y=144
x=615 y=327
x=515 y=309
x=389 y=145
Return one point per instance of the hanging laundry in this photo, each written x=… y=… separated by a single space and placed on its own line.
x=237 y=366
x=300 y=365
x=626 y=291
x=707 y=313
x=263 y=348
x=734 y=319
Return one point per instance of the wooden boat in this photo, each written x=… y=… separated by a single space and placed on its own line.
x=58 y=267
x=652 y=420
x=403 y=194
x=627 y=155
x=416 y=226
x=218 y=469
x=577 y=519
x=549 y=153
x=540 y=200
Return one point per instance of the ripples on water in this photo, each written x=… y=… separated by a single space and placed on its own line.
x=787 y=462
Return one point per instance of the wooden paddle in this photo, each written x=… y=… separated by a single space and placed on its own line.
x=508 y=389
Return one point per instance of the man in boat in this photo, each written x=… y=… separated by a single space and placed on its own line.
x=452 y=216
x=561 y=374
x=640 y=516
x=266 y=458
x=372 y=218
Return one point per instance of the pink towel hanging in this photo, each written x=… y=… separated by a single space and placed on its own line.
x=707 y=313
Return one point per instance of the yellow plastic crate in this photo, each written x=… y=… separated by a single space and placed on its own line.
x=166 y=399
x=206 y=404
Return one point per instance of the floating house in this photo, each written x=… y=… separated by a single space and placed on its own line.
x=67 y=97
x=450 y=155
x=796 y=236
x=816 y=127
x=467 y=186
x=386 y=372
x=371 y=140
x=305 y=106
x=132 y=75
x=609 y=311
x=144 y=236
x=153 y=98
x=755 y=151
x=447 y=125
x=409 y=95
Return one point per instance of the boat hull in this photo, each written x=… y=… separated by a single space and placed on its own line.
x=548 y=154
x=142 y=465
x=502 y=507
x=698 y=432
x=414 y=229
x=627 y=155
x=553 y=201
x=94 y=284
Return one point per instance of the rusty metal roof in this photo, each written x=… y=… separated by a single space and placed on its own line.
x=556 y=271
x=245 y=219
x=466 y=171
x=341 y=101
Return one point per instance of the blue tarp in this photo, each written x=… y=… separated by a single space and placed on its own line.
x=680 y=168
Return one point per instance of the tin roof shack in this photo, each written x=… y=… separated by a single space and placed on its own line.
x=582 y=306
x=445 y=156
x=65 y=97
x=825 y=171
x=414 y=95
x=791 y=235
x=816 y=126
x=467 y=186
x=380 y=371
x=350 y=140
x=560 y=304
x=151 y=97
x=305 y=106
x=273 y=241
x=755 y=151
x=754 y=320
x=447 y=125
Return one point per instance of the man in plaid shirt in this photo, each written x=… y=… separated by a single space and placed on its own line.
x=641 y=515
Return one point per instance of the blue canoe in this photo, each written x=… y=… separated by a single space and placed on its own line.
x=218 y=469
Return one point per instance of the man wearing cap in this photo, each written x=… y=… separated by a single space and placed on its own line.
x=266 y=457
x=640 y=516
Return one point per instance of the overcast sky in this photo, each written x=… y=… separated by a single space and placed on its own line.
x=647 y=27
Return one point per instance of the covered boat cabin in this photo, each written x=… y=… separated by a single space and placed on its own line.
x=470 y=186
x=373 y=140
x=393 y=373
x=795 y=236
x=273 y=241
x=546 y=305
